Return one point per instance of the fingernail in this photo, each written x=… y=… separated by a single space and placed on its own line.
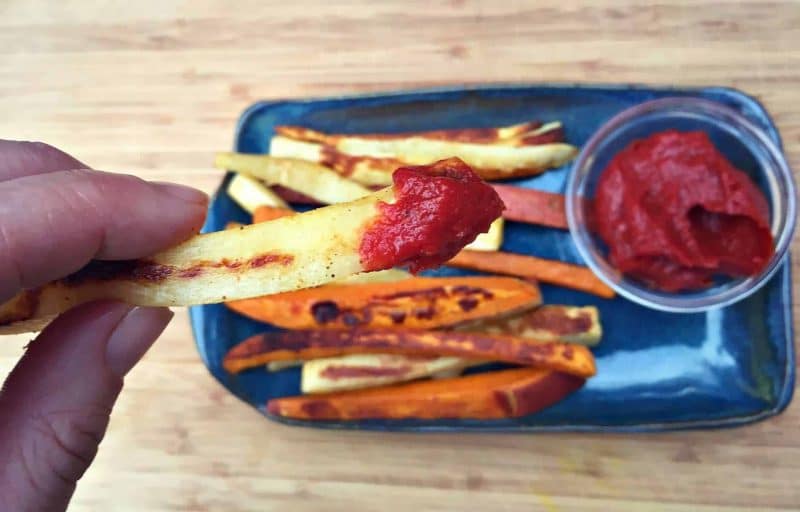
x=133 y=336
x=182 y=192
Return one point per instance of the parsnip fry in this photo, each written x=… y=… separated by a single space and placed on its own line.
x=367 y=171
x=506 y=134
x=492 y=240
x=285 y=254
x=548 y=271
x=520 y=150
x=569 y=324
x=249 y=193
x=371 y=370
x=479 y=156
x=310 y=178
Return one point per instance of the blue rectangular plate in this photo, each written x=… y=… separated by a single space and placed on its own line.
x=656 y=371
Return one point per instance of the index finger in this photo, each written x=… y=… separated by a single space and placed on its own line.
x=51 y=225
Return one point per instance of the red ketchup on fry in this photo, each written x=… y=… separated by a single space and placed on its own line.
x=439 y=209
x=675 y=213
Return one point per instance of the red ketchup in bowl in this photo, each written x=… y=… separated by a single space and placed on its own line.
x=675 y=212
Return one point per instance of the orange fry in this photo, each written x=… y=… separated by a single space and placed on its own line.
x=548 y=271
x=492 y=395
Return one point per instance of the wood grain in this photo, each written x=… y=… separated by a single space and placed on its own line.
x=155 y=87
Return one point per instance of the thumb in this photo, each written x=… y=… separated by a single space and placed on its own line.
x=55 y=404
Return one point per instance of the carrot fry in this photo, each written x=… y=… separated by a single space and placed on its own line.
x=533 y=206
x=548 y=271
x=503 y=394
x=266 y=213
x=261 y=349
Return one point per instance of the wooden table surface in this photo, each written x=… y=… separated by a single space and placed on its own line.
x=154 y=87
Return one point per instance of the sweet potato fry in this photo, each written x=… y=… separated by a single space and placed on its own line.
x=360 y=371
x=311 y=179
x=420 y=302
x=313 y=344
x=533 y=206
x=569 y=324
x=503 y=394
x=264 y=258
x=548 y=271
x=249 y=193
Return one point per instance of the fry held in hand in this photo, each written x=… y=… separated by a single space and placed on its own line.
x=313 y=344
x=493 y=395
x=420 y=302
x=285 y=254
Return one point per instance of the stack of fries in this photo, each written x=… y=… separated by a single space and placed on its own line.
x=365 y=341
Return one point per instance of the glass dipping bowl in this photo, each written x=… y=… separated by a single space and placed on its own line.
x=747 y=147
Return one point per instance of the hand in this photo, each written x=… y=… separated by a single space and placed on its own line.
x=55 y=216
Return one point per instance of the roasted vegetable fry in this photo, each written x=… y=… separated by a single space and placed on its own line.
x=503 y=394
x=569 y=324
x=249 y=193
x=420 y=302
x=360 y=371
x=295 y=197
x=310 y=178
x=514 y=134
x=267 y=213
x=548 y=271
x=370 y=159
x=382 y=276
x=277 y=366
x=264 y=258
x=533 y=206
x=544 y=134
x=366 y=170
x=492 y=240
x=313 y=344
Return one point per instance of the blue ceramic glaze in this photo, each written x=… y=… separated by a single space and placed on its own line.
x=656 y=370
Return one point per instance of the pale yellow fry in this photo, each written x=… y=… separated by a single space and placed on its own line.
x=311 y=179
x=420 y=151
x=289 y=253
x=515 y=138
x=249 y=193
x=361 y=172
x=317 y=378
x=492 y=240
